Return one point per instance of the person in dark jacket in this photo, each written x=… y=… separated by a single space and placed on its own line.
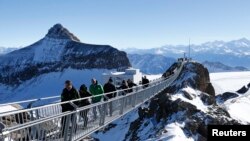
x=109 y=87
x=124 y=87
x=83 y=92
x=145 y=82
x=131 y=84
x=68 y=93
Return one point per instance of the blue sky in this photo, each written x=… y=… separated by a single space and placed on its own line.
x=125 y=23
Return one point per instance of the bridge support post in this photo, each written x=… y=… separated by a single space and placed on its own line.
x=122 y=106
x=134 y=99
x=73 y=126
x=103 y=114
x=65 y=126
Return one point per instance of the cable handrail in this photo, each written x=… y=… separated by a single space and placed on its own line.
x=32 y=128
x=29 y=124
x=41 y=120
x=75 y=100
x=30 y=100
x=58 y=96
x=32 y=123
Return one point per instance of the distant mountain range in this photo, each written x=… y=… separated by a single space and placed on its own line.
x=216 y=56
x=150 y=63
x=233 y=53
x=219 y=67
x=157 y=64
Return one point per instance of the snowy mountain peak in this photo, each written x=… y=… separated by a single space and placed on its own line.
x=59 y=32
x=231 y=53
x=243 y=40
x=56 y=52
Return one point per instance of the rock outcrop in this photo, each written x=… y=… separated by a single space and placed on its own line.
x=193 y=109
x=243 y=90
x=194 y=75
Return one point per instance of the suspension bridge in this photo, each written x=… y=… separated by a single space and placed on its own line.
x=47 y=122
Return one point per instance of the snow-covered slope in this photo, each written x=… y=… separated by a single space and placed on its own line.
x=230 y=53
x=172 y=132
x=234 y=87
x=181 y=112
x=50 y=84
x=150 y=63
x=229 y=81
x=239 y=108
x=40 y=69
x=117 y=130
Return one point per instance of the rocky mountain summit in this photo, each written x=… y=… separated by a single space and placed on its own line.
x=57 y=51
x=59 y=32
x=181 y=112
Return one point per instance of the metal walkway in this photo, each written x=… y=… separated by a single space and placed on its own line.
x=47 y=122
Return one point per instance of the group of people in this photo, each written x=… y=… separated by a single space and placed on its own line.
x=96 y=92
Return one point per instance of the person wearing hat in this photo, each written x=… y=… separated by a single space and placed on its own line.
x=109 y=87
x=83 y=92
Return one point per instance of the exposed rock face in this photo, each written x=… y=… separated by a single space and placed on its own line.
x=57 y=51
x=59 y=32
x=230 y=95
x=187 y=95
x=194 y=75
x=243 y=90
x=225 y=96
x=165 y=108
x=207 y=99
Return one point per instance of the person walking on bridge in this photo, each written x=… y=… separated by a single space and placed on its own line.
x=69 y=93
x=131 y=84
x=109 y=87
x=83 y=91
x=96 y=90
x=124 y=87
x=145 y=82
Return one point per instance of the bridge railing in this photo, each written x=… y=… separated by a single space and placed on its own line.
x=49 y=123
x=73 y=125
x=12 y=118
x=36 y=102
